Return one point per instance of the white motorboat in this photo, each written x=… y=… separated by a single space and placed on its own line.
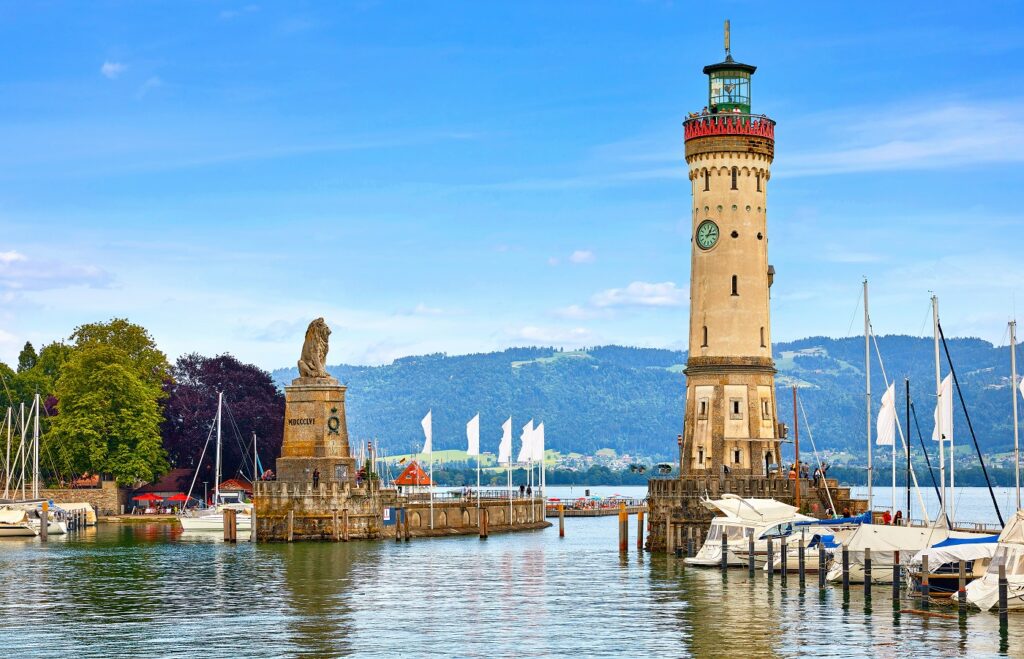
x=984 y=592
x=14 y=523
x=212 y=519
x=53 y=526
x=740 y=519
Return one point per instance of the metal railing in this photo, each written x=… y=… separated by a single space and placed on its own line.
x=729 y=123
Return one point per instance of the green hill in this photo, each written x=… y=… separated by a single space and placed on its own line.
x=631 y=399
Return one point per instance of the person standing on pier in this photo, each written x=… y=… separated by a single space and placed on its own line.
x=316 y=478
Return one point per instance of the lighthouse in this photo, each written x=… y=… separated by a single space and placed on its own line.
x=730 y=416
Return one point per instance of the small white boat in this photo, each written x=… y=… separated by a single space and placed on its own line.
x=984 y=592
x=14 y=523
x=53 y=526
x=213 y=518
x=742 y=518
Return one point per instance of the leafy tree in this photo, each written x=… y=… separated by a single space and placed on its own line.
x=253 y=403
x=134 y=341
x=109 y=419
x=27 y=357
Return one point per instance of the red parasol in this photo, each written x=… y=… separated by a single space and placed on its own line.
x=178 y=497
x=149 y=496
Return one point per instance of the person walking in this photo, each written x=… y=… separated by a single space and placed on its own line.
x=316 y=478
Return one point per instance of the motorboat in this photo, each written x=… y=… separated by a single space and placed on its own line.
x=739 y=519
x=14 y=523
x=212 y=519
x=984 y=591
x=944 y=563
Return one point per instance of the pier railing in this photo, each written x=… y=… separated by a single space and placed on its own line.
x=729 y=123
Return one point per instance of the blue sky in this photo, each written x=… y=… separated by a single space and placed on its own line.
x=464 y=176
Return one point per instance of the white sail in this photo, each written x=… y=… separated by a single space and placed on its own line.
x=505 y=447
x=538 y=442
x=428 y=432
x=886 y=431
x=473 y=436
x=1022 y=387
x=946 y=405
x=526 y=448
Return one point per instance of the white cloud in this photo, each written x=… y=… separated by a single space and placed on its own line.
x=151 y=83
x=582 y=256
x=11 y=257
x=557 y=336
x=18 y=273
x=112 y=70
x=937 y=136
x=230 y=14
x=553 y=260
x=423 y=310
x=641 y=294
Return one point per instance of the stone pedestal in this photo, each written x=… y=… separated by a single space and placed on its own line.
x=315 y=433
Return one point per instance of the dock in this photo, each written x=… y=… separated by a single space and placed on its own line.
x=595 y=508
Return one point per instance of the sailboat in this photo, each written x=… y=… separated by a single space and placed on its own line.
x=14 y=523
x=212 y=519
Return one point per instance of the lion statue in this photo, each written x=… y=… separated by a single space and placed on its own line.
x=314 y=350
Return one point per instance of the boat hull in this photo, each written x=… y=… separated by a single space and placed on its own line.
x=214 y=523
x=18 y=531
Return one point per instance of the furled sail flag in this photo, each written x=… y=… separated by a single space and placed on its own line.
x=526 y=449
x=505 y=447
x=428 y=433
x=1022 y=387
x=538 y=443
x=887 y=418
x=946 y=403
x=473 y=436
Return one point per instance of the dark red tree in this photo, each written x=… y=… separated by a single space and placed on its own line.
x=252 y=403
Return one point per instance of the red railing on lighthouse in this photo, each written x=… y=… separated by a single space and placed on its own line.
x=729 y=124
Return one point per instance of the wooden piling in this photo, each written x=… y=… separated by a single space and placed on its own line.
x=623 y=529
x=291 y=525
x=867 y=573
x=801 y=561
x=640 y=530
x=253 y=526
x=689 y=542
x=405 y=524
x=487 y=522
x=561 y=520
x=335 y=527
x=44 y=522
x=962 y=588
x=770 y=557
x=821 y=565
x=346 y=533
x=750 y=554
x=229 y=524
x=1003 y=587
x=784 y=562
x=725 y=550
x=896 y=578
x=846 y=571
x=399 y=516
x=925 y=588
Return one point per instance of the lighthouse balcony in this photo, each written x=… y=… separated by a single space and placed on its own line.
x=729 y=124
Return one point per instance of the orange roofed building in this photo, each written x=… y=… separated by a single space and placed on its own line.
x=413 y=478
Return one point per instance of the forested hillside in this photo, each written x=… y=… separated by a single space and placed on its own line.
x=631 y=399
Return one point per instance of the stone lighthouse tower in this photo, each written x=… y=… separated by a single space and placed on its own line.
x=730 y=415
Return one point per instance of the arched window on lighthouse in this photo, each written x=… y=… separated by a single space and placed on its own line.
x=762 y=338
x=735 y=288
x=758 y=177
x=735 y=174
x=704 y=342
x=707 y=180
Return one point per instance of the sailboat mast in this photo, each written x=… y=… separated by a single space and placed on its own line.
x=255 y=469
x=21 y=446
x=906 y=382
x=216 y=475
x=938 y=415
x=35 y=450
x=867 y=383
x=7 y=461
x=1013 y=392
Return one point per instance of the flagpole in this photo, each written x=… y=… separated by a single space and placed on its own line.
x=431 y=454
x=1013 y=392
x=478 y=480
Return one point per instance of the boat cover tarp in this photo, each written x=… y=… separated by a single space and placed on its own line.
x=12 y=516
x=828 y=540
x=859 y=519
x=884 y=540
x=758 y=510
x=954 y=550
x=984 y=592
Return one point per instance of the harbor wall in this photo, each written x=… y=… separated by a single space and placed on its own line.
x=106 y=499
x=675 y=510
x=320 y=513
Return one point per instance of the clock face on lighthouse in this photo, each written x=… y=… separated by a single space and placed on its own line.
x=707 y=234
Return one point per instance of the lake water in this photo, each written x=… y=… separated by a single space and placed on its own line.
x=147 y=589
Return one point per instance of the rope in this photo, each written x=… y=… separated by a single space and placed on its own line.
x=814 y=449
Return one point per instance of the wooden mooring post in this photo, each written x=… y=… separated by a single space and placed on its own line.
x=399 y=516
x=896 y=578
x=925 y=588
x=821 y=565
x=962 y=588
x=230 y=527
x=335 y=527
x=689 y=541
x=867 y=573
x=346 y=532
x=1003 y=587
x=291 y=525
x=750 y=555
x=640 y=530
x=725 y=551
x=784 y=559
x=44 y=522
x=623 y=529
x=770 y=557
x=405 y=524
x=846 y=571
x=801 y=561
x=482 y=521
x=561 y=520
